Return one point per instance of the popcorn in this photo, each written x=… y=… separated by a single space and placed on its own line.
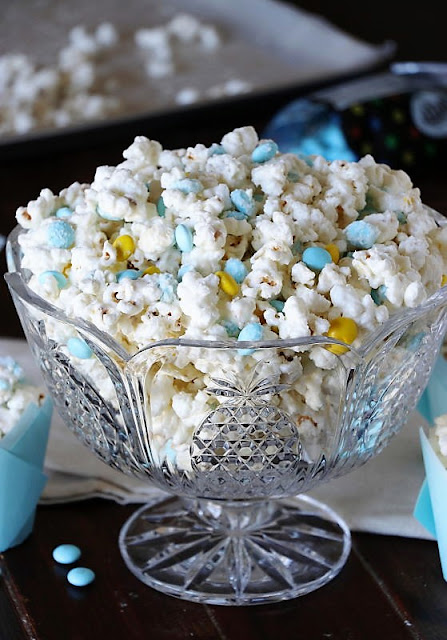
x=36 y=96
x=15 y=394
x=212 y=243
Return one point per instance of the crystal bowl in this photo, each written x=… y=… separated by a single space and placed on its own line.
x=235 y=434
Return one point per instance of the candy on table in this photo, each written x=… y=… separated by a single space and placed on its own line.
x=80 y=576
x=66 y=553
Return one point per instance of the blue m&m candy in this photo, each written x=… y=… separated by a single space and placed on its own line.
x=132 y=274
x=379 y=294
x=316 y=258
x=243 y=201
x=264 y=151
x=161 y=207
x=252 y=332
x=66 y=553
x=236 y=269
x=60 y=234
x=79 y=348
x=277 y=304
x=361 y=234
x=184 y=238
x=59 y=277
x=80 y=576
x=184 y=269
x=63 y=212
x=188 y=185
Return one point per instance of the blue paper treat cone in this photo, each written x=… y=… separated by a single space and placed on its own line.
x=22 y=453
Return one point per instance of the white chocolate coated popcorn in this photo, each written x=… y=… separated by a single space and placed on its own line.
x=206 y=242
x=15 y=394
x=438 y=438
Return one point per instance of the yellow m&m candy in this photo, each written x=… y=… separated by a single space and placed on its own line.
x=334 y=251
x=125 y=246
x=443 y=280
x=343 y=329
x=228 y=283
x=150 y=270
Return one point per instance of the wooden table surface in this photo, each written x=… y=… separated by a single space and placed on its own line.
x=391 y=588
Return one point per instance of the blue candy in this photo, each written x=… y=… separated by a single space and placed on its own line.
x=79 y=348
x=236 y=269
x=80 y=576
x=106 y=215
x=316 y=258
x=132 y=274
x=297 y=248
x=184 y=238
x=168 y=286
x=4 y=385
x=231 y=328
x=188 y=185
x=169 y=453
x=379 y=295
x=161 y=207
x=216 y=149
x=238 y=215
x=66 y=553
x=264 y=151
x=184 y=269
x=63 y=212
x=60 y=234
x=361 y=234
x=252 y=332
x=243 y=202
x=61 y=280
x=277 y=304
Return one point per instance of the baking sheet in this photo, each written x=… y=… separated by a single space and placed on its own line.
x=266 y=43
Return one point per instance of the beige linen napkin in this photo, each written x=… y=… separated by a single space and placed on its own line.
x=378 y=497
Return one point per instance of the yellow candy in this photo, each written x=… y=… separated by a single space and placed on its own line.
x=334 y=251
x=444 y=280
x=343 y=329
x=125 y=246
x=151 y=270
x=228 y=283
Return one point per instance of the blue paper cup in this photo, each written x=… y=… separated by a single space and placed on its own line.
x=22 y=454
x=431 y=505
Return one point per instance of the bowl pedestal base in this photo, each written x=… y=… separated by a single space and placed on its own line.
x=235 y=553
